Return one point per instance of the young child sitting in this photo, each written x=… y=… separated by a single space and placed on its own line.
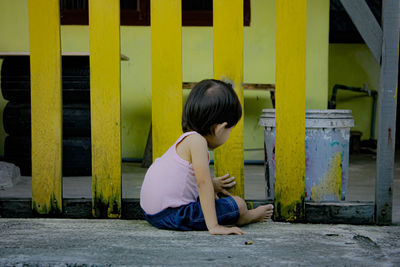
x=178 y=192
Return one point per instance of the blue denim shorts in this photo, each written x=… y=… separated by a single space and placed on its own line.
x=190 y=216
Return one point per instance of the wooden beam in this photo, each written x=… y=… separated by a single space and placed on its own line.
x=366 y=24
x=16 y=208
x=78 y=208
x=166 y=73
x=340 y=212
x=46 y=106
x=80 y=54
x=387 y=99
x=246 y=86
x=105 y=101
x=228 y=67
x=316 y=212
x=290 y=109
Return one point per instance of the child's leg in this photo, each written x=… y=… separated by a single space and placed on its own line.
x=259 y=214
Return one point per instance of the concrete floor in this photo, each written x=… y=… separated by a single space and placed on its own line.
x=361 y=187
x=72 y=242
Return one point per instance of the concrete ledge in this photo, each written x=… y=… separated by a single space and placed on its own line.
x=321 y=212
x=80 y=208
x=340 y=212
x=75 y=208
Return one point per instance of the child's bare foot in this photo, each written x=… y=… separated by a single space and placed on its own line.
x=263 y=213
x=259 y=214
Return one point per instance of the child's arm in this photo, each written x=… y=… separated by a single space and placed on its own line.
x=199 y=156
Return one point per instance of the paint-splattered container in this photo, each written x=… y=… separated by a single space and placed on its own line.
x=327 y=153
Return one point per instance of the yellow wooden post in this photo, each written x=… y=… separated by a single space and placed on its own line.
x=166 y=73
x=228 y=66
x=46 y=106
x=105 y=101
x=290 y=109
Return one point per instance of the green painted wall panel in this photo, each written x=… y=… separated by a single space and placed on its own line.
x=354 y=65
x=317 y=54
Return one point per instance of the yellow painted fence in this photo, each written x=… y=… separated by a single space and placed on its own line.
x=228 y=66
x=46 y=106
x=166 y=53
x=105 y=106
x=290 y=109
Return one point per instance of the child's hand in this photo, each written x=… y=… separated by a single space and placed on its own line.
x=222 y=183
x=222 y=230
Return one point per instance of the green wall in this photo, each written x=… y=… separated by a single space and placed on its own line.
x=345 y=62
x=354 y=65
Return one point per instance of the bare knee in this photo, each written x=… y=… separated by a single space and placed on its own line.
x=241 y=204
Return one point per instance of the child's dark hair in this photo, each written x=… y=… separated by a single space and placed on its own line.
x=210 y=102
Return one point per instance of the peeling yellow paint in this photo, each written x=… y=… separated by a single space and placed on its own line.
x=331 y=182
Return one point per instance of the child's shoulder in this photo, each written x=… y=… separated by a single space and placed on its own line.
x=196 y=138
x=197 y=143
x=193 y=141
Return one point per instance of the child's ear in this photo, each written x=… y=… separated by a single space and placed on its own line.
x=219 y=127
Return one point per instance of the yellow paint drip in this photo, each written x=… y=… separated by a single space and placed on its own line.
x=331 y=182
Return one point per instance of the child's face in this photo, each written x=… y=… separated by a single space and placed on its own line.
x=224 y=134
x=219 y=137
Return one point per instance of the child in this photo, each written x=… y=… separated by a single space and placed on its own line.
x=174 y=182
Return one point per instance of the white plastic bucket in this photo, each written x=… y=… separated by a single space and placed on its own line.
x=327 y=153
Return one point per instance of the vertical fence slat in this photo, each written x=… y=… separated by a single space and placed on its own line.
x=166 y=77
x=228 y=66
x=105 y=101
x=290 y=109
x=46 y=106
x=387 y=112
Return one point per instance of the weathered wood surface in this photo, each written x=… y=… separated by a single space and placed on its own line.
x=166 y=73
x=366 y=24
x=290 y=109
x=78 y=208
x=17 y=208
x=246 y=86
x=80 y=54
x=228 y=67
x=46 y=106
x=105 y=102
x=340 y=212
x=387 y=98
x=329 y=212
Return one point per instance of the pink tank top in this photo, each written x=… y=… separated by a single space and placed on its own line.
x=169 y=182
